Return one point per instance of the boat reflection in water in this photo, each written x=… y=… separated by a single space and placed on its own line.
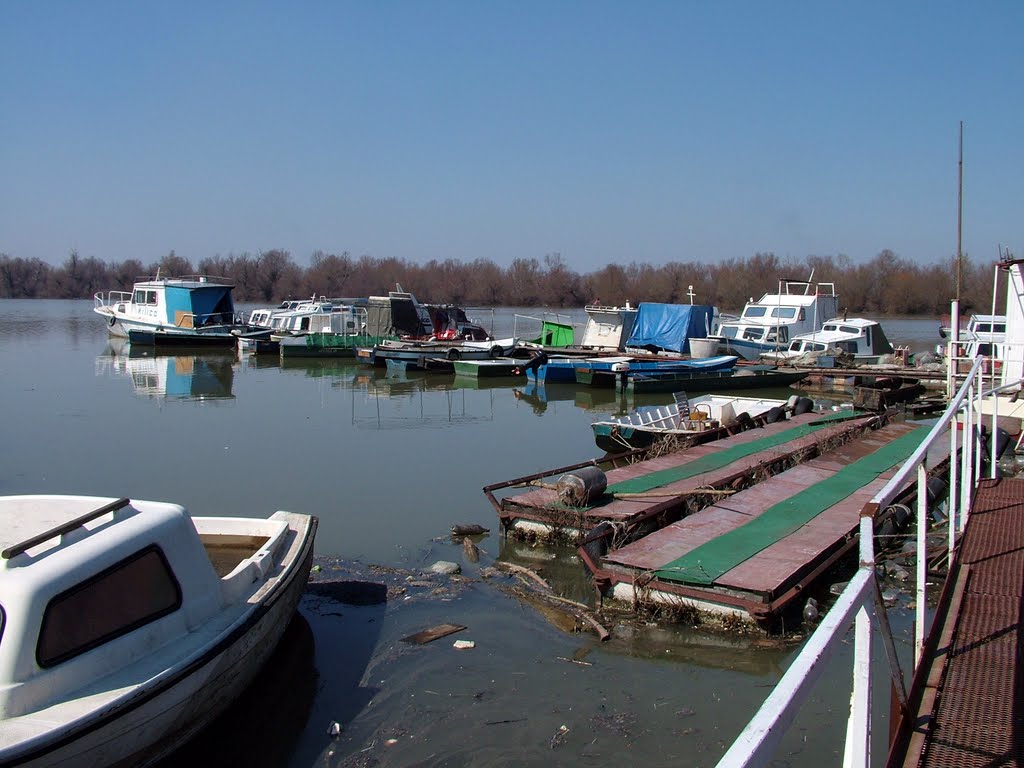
x=171 y=376
x=539 y=395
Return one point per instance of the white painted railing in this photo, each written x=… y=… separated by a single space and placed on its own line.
x=861 y=602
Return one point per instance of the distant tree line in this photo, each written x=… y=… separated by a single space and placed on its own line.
x=886 y=285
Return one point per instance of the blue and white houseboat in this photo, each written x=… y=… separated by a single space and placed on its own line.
x=196 y=310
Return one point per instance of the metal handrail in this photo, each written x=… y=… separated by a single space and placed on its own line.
x=861 y=604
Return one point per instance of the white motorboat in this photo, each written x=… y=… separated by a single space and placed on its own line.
x=768 y=324
x=862 y=339
x=129 y=625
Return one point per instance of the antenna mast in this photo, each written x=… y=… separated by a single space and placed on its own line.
x=960 y=213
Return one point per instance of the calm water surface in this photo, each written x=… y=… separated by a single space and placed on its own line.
x=388 y=464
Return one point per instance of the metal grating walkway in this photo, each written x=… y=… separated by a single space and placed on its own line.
x=978 y=714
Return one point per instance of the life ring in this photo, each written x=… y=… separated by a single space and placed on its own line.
x=454 y=354
x=112 y=321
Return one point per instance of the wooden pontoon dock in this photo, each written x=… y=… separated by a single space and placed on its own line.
x=661 y=489
x=754 y=553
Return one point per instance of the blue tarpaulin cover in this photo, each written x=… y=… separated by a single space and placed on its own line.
x=670 y=326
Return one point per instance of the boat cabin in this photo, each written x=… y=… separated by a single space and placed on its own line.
x=858 y=337
x=91 y=586
x=608 y=328
x=771 y=322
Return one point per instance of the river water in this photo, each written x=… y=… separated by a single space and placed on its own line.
x=389 y=464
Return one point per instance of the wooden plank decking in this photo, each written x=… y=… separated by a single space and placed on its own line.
x=765 y=583
x=542 y=506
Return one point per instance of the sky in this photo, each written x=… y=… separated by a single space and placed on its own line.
x=605 y=132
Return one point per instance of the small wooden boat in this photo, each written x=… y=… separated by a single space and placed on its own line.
x=748 y=377
x=691 y=420
x=129 y=625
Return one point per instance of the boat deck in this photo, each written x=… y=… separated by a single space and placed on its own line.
x=667 y=483
x=754 y=550
x=971 y=696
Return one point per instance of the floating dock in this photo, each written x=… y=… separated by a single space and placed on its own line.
x=753 y=554
x=662 y=489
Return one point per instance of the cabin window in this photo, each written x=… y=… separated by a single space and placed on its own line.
x=124 y=597
x=753 y=334
x=829 y=327
x=848 y=329
x=139 y=297
x=754 y=312
x=787 y=313
x=984 y=349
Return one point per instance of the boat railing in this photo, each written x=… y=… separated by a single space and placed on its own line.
x=861 y=604
x=109 y=299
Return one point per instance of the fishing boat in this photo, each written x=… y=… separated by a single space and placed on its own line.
x=859 y=338
x=771 y=322
x=129 y=625
x=689 y=421
x=196 y=310
x=746 y=377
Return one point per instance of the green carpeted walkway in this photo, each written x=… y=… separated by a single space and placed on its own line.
x=722 y=458
x=709 y=561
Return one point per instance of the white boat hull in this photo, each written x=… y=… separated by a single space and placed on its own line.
x=151 y=720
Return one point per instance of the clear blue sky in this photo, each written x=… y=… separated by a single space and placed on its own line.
x=606 y=132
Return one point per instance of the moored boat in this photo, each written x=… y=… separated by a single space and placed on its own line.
x=691 y=420
x=196 y=310
x=768 y=324
x=747 y=377
x=555 y=368
x=129 y=625
x=859 y=338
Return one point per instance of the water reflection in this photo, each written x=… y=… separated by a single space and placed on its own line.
x=161 y=376
x=414 y=399
x=586 y=398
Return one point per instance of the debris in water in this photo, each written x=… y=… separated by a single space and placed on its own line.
x=559 y=736
x=446 y=567
x=334 y=729
x=472 y=550
x=811 y=612
x=463 y=644
x=433 y=633
x=468 y=529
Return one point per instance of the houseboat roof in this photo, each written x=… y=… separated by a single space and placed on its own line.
x=186 y=281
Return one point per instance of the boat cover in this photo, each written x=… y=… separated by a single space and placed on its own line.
x=670 y=326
